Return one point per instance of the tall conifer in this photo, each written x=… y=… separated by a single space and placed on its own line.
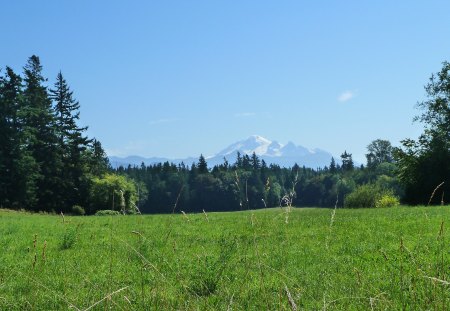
x=39 y=122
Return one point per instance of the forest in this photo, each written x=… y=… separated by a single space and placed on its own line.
x=48 y=163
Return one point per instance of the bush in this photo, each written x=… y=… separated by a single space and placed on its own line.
x=111 y=190
x=370 y=195
x=363 y=196
x=107 y=212
x=78 y=210
x=387 y=200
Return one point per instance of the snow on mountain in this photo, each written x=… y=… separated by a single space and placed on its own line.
x=271 y=151
x=255 y=143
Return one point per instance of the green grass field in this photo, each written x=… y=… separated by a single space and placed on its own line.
x=365 y=259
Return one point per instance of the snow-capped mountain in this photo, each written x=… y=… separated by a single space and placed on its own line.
x=257 y=144
x=271 y=151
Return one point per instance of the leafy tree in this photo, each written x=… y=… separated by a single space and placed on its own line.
x=113 y=192
x=424 y=164
x=379 y=151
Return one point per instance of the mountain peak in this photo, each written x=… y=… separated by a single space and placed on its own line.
x=259 y=139
x=271 y=151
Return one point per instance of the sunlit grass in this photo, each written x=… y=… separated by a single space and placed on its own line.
x=365 y=258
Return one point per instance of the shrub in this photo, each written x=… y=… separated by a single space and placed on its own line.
x=116 y=191
x=107 y=212
x=387 y=200
x=78 y=210
x=371 y=195
x=363 y=196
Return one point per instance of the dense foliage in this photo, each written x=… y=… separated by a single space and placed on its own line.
x=48 y=164
x=424 y=165
x=46 y=161
x=250 y=183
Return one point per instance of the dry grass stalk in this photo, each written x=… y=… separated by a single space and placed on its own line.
x=333 y=215
x=206 y=215
x=178 y=198
x=237 y=183
x=434 y=191
x=443 y=282
x=43 y=250
x=230 y=303
x=138 y=234
x=144 y=260
x=290 y=299
x=106 y=297
x=441 y=230
x=127 y=300
x=288 y=199
x=62 y=216
x=266 y=191
x=185 y=216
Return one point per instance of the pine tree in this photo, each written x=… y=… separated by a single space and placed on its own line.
x=333 y=166
x=71 y=142
x=255 y=163
x=39 y=124
x=17 y=167
x=347 y=161
x=98 y=160
x=238 y=163
x=202 y=165
x=246 y=162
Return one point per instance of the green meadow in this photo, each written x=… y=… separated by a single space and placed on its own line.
x=272 y=259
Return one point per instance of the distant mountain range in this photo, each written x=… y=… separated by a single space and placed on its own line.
x=271 y=151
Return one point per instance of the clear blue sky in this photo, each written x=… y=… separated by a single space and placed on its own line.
x=180 y=78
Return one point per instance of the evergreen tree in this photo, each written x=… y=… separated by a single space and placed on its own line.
x=333 y=167
x=255 y=163
x=246 y=163
x=72 y=143
x=347 y=161
x=40 y=127
x=98 y=160
x=17 y=167
x=238 y=163
x=202 y=165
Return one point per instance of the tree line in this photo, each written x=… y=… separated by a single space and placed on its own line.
x=250 y=183
x=47 y=163
x=416 y=172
